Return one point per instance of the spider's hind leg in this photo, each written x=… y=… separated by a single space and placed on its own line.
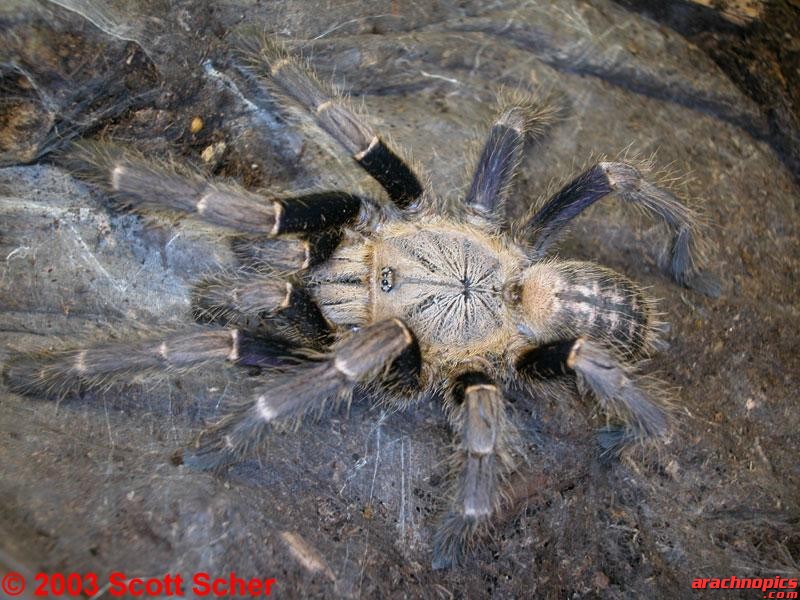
x=483 y=458
x=624 y=396
x=384 y=354
x=627 y=181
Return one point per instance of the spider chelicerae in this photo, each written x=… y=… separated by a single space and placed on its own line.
x=339 y=292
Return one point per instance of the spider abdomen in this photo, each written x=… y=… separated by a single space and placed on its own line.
x=581 y=298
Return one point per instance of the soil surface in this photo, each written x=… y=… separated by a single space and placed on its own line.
x=346 y=505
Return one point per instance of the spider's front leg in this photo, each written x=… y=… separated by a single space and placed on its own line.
x=260 y=301
x=626 y=181
x=385 y=354
x=620 y=392
x=483 y=457
x=274 y=67
x=521 y=117
x=142 y=183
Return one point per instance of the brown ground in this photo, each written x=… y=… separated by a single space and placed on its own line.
x=758 y=48
x=90 y=484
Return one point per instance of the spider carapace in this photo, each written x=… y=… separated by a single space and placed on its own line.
x=446 y=282
x=401 y=296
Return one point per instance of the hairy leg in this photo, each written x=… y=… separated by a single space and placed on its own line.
x=384 y=354
x=483 y=457
x=627 y=181
x=59 y=372
x=502 y=152
x=628 y=398
x=270 y=62
x=256 y=300
x=140 y=182
x=286 y=254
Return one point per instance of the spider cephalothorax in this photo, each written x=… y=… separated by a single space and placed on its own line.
x=339 y=292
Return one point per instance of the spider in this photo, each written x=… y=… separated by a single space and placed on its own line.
x=405 y=298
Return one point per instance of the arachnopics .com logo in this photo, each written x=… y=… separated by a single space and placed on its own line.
x=774 y=587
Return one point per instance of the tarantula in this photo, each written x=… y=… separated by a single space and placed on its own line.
x=405 y=298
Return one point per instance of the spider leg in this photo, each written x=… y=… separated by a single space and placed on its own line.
x=252 y=299
x=286 y=254
x=624 y=179
x=140 y=182
x=502 y=153
x=274 y=67
x=614 y=385
x=482 y=458
x=56 y=373
x=385 y=354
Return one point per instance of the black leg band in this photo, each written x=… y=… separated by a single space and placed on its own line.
x=262 y=351
x=496 y=165
x=547 y=361
x=304 y=314
x=316 y=211
x=579 y=194
x=392 y=173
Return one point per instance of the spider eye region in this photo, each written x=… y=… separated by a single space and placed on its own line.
x=442 y=280
x=387 y=279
